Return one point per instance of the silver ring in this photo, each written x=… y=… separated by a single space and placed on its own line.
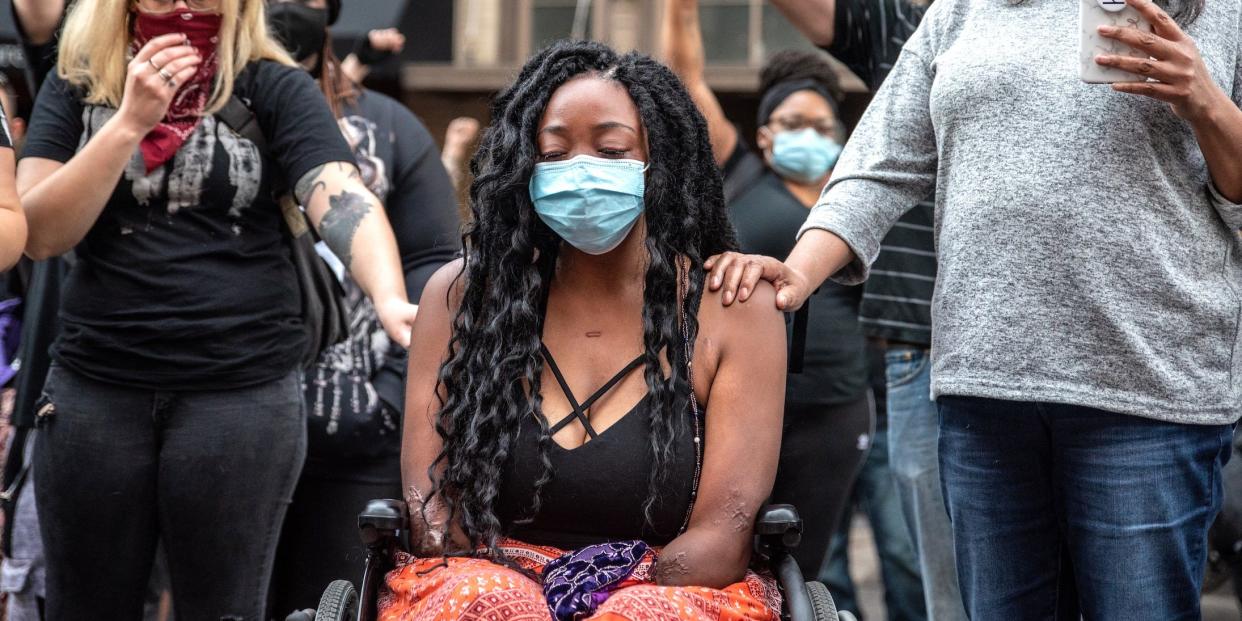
x=151 y=61
x=168 y=77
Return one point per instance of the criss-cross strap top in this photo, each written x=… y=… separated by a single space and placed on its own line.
x=579 y=410
x=597 y=490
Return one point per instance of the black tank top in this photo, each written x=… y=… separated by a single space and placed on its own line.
x=598 y=490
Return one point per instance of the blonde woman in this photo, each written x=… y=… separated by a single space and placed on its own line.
x=174 y=408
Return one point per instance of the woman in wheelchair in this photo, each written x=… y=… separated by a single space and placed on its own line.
x=583 y=437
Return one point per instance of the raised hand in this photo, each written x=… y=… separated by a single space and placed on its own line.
x=1178 y=75
x=155 y=74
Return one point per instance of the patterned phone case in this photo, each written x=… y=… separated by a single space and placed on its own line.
x=1093 y=14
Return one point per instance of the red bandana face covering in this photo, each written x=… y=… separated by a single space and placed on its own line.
x=185 y=112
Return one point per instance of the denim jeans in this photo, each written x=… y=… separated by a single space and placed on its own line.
x=913 y=430
x=209 y=474
x=876 y=495
x=1033 y=488
x=23 y=575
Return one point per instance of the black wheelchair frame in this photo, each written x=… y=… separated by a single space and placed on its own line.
x=384 y=524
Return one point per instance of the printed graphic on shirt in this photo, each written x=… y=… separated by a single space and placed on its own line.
x=180 y=184
x=360 y=134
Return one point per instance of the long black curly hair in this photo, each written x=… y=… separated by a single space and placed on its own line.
x=491 y=378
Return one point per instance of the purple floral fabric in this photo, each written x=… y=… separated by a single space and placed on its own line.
x=578 y=582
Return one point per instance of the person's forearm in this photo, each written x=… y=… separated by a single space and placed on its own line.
x=12 y=237
x=699 y=558
x=376 y=264
x=39 y=18
x=815 y=19
x=452 y=165
x=683 y=47
x=818 y=255
x=1219 y=131
x=63 y=206
x=683 y=39
x=352 y=222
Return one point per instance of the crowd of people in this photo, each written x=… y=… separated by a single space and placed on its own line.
x=252 y=299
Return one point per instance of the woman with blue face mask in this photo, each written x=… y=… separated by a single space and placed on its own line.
x=569 y=389
x=828 y=406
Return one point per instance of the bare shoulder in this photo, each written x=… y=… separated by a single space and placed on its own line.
x=759 y=307
x=444 y=290
x=754 y=325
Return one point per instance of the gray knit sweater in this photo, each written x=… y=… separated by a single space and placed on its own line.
x=1085 y=257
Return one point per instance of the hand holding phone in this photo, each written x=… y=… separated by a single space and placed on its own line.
x=1093 y=14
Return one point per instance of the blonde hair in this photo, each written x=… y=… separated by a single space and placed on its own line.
x=95 y=59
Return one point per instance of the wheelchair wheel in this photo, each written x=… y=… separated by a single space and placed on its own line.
x=821 y=601
x=339 y=602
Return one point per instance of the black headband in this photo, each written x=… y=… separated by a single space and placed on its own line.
x=782 y=90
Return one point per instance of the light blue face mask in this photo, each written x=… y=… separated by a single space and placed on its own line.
x=804 y=155
x=591 y=202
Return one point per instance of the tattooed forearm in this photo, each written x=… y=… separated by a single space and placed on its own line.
x=307 y=185
x=351 y=172
x=345 y=214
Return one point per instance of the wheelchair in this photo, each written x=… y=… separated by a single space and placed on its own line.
x=384 y=524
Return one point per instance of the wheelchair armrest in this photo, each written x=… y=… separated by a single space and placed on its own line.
x=777 y=529
x=382 y=519
x=382 y=525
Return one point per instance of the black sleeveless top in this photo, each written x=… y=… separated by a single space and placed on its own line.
x=598 y=490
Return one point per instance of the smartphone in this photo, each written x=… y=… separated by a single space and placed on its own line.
x=1095 y=13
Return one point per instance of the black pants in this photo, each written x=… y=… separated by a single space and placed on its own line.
x=208 y=473
x=822 y=451
x=320 y=541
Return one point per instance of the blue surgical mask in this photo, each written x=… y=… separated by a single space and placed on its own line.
x=804 y=155
x=591 y=202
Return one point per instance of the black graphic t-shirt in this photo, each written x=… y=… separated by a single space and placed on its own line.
x=356 y=391
x=185 y=281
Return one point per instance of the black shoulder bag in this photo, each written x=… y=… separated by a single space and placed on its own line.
x=324 y=315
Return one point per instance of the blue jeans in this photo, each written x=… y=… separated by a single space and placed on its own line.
x=1033 y=488
x=876 y=495
x=913 y=430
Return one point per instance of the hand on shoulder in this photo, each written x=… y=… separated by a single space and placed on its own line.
x=756 y=327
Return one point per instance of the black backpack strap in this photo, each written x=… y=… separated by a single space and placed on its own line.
x=797 y=342
x=238 y=115
x=241 y=119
